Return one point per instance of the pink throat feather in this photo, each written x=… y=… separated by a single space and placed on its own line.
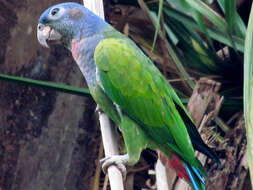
x=76 y=47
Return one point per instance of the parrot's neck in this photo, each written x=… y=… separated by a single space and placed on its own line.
x=83 y=53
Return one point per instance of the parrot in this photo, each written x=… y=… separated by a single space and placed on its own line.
x=130 y=89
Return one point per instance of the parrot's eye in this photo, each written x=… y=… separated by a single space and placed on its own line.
x=54 y=11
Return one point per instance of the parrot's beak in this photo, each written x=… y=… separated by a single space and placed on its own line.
x=46 y=33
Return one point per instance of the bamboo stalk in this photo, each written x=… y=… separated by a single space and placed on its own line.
x=107 y=131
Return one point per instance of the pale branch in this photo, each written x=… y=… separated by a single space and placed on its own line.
x=161 y=176
x=108 y=132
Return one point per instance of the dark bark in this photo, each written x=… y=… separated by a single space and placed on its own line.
x=48 y=140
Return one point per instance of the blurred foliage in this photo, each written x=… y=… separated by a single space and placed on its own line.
x=200 y=42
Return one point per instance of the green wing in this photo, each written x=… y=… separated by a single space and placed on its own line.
x=130 y=79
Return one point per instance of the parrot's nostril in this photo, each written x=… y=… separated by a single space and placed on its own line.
x=40 y=27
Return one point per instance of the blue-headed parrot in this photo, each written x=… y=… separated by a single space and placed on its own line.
x=128 y=87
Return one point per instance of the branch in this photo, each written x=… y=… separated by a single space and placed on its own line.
x=107 y=131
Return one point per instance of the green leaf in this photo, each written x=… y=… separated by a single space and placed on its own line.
x=198 y=17
x=168 y=30
x=171 y=35
x=239 y=27
x=230 y=11
x=47 y=85
x=248 y=87
x=179 y=65
x=207 y=12
x=157 y=26
x=208 y=1
x=214 y=33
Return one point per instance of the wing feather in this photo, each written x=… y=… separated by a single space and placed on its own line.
x=132 y=81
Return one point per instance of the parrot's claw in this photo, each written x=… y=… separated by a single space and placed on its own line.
x=119 y=160
x=98 y=110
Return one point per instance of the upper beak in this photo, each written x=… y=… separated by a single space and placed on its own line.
x=46 y=33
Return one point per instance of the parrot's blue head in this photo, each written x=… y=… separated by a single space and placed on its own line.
x=65 y=22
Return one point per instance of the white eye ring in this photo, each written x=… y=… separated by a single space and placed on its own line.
x=56 y=13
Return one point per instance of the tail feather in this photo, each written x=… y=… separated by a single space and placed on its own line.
x=185 y=171
x=195 y=177
x=174 y=162
x=198 y=174
x=196 y=139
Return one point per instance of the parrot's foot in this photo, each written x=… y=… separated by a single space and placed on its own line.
x=119 y=160
x=98 y=110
